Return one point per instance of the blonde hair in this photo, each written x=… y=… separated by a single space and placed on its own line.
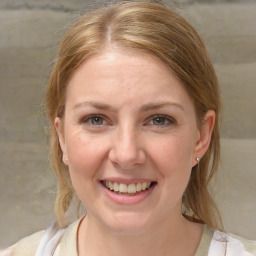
x=155 y=29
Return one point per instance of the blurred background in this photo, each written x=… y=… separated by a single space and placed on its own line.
x=29 y=34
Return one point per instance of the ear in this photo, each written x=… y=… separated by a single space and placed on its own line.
x=59 y=130
x=205 y=134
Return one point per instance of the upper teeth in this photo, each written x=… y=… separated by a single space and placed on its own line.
x=127 y=188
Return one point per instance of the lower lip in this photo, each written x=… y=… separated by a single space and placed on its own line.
x=126 y=199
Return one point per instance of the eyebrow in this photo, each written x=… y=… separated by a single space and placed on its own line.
x=153 y=106
x=146 y=107
x=94 y=104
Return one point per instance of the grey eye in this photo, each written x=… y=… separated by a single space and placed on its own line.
x=159 y=120
x=96 y=120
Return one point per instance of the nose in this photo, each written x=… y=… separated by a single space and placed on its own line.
x=127 y=151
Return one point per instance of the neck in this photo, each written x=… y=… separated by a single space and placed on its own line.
x=174 y=238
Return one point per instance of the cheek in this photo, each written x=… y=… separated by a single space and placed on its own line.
x=172 y=161
x=85 y=154
x=174 y=154
x=86 y=157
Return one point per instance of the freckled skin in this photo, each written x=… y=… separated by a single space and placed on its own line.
x=127 y=142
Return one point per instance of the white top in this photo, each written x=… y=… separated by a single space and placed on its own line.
x=63 y=242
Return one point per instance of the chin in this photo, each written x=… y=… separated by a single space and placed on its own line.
x=127 y=229
x=126 y=224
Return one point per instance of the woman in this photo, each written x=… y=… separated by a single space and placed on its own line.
x=134 y=105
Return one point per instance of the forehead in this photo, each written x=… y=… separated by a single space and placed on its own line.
x=119 y=64
x=118 y=77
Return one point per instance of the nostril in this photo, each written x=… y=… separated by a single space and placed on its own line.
x=127 y=159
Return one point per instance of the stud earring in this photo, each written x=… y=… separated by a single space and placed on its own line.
x=64 y=159
x=198 y=160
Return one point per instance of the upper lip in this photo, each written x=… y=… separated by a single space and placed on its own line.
x=127 y=181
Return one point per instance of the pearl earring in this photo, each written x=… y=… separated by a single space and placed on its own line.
x=64 y=159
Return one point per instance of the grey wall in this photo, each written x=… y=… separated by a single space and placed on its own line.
x=29 y=33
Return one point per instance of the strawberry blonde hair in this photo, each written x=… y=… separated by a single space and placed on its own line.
x=155 y=29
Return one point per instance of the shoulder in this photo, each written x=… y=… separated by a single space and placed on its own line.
x=27 y=246
x=45 y=242
x=249 y=245
x=234 y=245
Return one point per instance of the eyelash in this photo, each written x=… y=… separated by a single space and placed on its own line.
x=88 y=120
x=167 y=120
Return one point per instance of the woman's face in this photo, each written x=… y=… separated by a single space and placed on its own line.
x=130 y=139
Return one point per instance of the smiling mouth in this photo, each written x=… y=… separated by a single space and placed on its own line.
x=127 y=189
